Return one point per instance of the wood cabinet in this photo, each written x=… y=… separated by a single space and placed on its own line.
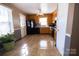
x=45 y=30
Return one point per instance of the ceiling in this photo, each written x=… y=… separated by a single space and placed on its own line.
x=32 y=8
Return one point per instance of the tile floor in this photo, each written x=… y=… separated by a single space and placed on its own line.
x=34 y=45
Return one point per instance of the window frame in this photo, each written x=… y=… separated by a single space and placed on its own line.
x=9 y=21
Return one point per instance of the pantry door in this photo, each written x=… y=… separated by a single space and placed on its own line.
x=61 y=26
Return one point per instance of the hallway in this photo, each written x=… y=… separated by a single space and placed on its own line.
x=34 y=45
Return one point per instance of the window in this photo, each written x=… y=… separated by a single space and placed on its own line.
x=43 y=21
x=6 y=23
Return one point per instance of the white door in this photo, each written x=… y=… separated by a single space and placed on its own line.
x=23 y=25
x=61 y=26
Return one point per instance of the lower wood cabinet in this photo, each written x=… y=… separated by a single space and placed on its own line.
x=45 y=30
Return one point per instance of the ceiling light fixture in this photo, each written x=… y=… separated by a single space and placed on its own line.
x=39 y=12
x=43 y=9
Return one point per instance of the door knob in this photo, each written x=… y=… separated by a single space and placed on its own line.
x=57 y=29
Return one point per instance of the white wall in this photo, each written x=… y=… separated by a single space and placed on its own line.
x=61 y=26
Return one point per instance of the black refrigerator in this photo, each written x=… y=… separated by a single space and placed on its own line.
x=32 y=27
